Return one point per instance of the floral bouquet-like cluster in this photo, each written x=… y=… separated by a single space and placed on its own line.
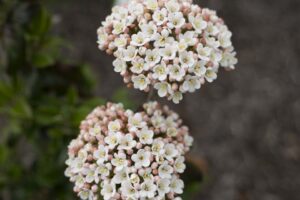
x=173 y=46
x=120 y=154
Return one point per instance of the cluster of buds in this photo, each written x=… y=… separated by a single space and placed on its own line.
x=173 y=46
x=124 y=155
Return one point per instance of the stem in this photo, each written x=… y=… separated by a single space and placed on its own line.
x=150 y=94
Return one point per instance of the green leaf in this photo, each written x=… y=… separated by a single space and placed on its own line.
x=21 y=109
x=42 y=60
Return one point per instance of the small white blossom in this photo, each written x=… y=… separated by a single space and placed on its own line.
x=170 y=151
x=119 y=161
x=160 y=72
x=165 y=170
x=163 y=88
x=191 y=84
x=140 y=82
x=160 y=16
x=179 y=165
x=176 y=72
x=187 y=58
x=210 y=75
x=112 y=139
x=101 y=154
x=163 y=187
x=141 y=158
x=148 y=189
x=176 y=185
x=151 y=4
x=152 y=57
x=108 y=190
x=176 y=20
x=126 y=142
x=145 y=136
x=139 y=39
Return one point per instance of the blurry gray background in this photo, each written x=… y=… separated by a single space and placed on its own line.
x=246 y=124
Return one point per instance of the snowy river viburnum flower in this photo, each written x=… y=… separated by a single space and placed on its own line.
x=120 y=154
x=172 y=46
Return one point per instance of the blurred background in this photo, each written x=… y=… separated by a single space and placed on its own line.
x=246 y=125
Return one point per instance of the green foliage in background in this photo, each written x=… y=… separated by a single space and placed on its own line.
x=42 y=101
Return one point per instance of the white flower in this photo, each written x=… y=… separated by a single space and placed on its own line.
x=151 y=4
x=176 y=185
x=172 y=6
x=141 y=158
x=121 y=176
x=215 y=57
x=204 y=52
x=146 y=174
x=114 y=126
x=212 y=29
x=229 y=60
x=160 y=71
x=120 y=42
x=198 y=23
x=152 y=57
x=199 y=68
x=120 y=66
x=91 y=175
x=165 y=170
x=130 y=53
x=139 y=39
x=188 y=37
x=126 y=142
x=176 y=20
x=172 y=132
x=160 y=40
x=182 y=45
x=138 y=66
x=134 y=179
x=128 y=190
x=148 y=189
x=112 y=139
x=225 y=39
x=187 y=58
x=188 y=140
x=119 y=12
x=163 y=88
x=85 y=194
x=119 y=161
x=176 y=97
x=160 y=16
x=108 y=190
x=169 y=52
x=212 y=42
x=103 y=169
x=179 y=165
x=210 y=75
x=158 y=147
x=149 y=30
x=136 y=8
x=163 y=187
x=145 y=136
x=100 y=154
x=191 y=84
x=135 y=122
x=176 y=72
x=119 y=27
x=170 y=151
x=140 y=82
x=79 y=181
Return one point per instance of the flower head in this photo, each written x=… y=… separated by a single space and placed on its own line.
x=172 y=42
x=120 y=154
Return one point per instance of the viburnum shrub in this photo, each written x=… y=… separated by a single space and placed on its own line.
x=121 y=154
x=173 y=46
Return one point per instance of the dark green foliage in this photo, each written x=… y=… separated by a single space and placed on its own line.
x=42 y=101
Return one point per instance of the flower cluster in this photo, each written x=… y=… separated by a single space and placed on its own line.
x=173 y=46
x=120 y=154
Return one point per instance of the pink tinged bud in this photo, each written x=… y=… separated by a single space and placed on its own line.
x=95 y=188
x=155 y=171
x=156 y=178
x=154 y=165
x=171 y=195
x=177 y=31
x=139 y=145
